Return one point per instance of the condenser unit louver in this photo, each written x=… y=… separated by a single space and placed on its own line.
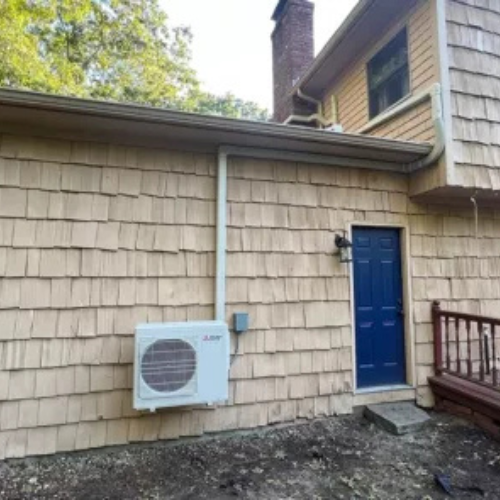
x=180 y=364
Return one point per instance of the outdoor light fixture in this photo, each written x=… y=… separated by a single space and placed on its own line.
x=345 y=248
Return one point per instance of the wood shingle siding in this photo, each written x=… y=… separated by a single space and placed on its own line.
x=351 y=89
x=474 y=47
x=96 y=238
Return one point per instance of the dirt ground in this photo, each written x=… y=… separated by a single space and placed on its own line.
x=338 y=458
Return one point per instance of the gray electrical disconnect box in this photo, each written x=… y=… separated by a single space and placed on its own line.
x=240 y=322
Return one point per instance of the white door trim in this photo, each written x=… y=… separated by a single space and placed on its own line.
x=409 y=330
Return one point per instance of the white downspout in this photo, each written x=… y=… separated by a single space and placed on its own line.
x=439 y=131
x=220 y=281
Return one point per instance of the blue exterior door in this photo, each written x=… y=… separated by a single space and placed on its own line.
x=379 y=316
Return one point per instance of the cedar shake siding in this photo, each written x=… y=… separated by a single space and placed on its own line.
x=95 y=238
x=451 y=42
x=474 y=47
x=351 y=89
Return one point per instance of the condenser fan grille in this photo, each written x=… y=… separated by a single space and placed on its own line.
x=168 y=365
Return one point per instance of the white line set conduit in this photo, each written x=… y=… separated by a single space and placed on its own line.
x=224 y=153
x=271 y=154
x=318 y=116
x=220 y=269
x=434 y=94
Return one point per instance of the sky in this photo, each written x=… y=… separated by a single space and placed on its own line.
x=232 y=44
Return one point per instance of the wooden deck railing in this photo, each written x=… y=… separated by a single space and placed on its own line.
x=467 y=346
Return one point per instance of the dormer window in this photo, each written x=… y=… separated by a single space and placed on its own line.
x=389 y=75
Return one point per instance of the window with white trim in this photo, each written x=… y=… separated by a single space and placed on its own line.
x=389 y=75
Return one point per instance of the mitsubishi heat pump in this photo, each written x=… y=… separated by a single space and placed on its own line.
x=180 y=364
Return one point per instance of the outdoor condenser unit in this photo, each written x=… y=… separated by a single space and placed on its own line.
x=180 y=364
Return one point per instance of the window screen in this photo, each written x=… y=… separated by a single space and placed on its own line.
x=389 y=75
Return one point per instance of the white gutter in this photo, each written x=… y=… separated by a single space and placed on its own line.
x=434 y=94
x=29 y=109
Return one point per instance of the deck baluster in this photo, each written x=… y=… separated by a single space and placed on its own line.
x=447 y=341
x=494 y=354
x=481 y=350
x=457 y=332
x=473 y=382
x=469 y=350
x=480 y=366
x=437 y=323
x=487 y=348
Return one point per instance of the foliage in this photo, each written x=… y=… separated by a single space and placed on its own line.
x=121 y=50
x=231 y=106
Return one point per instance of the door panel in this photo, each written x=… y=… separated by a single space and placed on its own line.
x=378 y=295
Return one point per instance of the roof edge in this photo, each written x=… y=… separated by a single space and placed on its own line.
x=278 y=9
x=145 y=114
x=349 y=23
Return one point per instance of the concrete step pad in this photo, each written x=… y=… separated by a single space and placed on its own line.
x=397 y=418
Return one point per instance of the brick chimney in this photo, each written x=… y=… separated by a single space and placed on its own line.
x=293 y=52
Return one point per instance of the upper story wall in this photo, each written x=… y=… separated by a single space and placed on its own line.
x=351 y=90
x=473 y=33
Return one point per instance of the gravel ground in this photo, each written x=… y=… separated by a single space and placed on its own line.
x=338 y=458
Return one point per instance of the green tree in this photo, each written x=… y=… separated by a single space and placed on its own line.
x=231 y=106
x=121 y=50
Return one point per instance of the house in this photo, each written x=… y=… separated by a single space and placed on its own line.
x=113 y=215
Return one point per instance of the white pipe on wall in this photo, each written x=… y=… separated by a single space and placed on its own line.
x=398 y=109
x=306 y=119
x=439 y=131
x=434 y=94
x=318 y=116
x=247 y=152
x=220 y=281
x=312 y=100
